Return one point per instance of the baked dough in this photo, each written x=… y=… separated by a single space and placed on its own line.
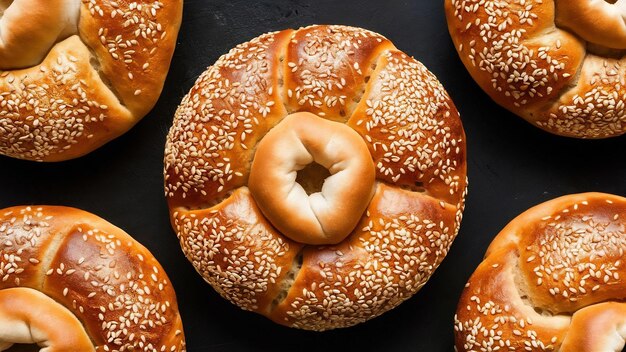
x=75 y=74
x=70 y=281
x=552 y=280
x=559 y=64
x=316 y=176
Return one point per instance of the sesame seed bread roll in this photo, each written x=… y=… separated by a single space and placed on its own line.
x=316 y=176
x=552 y=280
x=69 y=278
x=556 y=63
x=75 y=74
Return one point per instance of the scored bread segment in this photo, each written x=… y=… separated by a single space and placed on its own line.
x=413 y=129
x=237 y=250
x=229 y=109
x=327 y=68
x=390 y=255
x=66 y=102
x=133 y=43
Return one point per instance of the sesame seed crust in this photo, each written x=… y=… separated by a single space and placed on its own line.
x=344 y=74
x=559 y=259
x=133 y=42
x=527 y=57
x=237 y=250
x=229 y=109
x=413 y=129
x=393 y=251
x=84 y=92
x=111 y=283
x=327 y=68
x=596 y=109
x=49 y=109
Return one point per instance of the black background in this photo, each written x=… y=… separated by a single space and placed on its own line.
x=512 y=166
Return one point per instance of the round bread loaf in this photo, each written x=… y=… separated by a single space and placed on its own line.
x=559 y=64
x=316 y=176
x=552 y=280
x=71 y=281
x=75 y=74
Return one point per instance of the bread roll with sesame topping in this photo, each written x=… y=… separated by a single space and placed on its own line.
x=316 y=176
x=71 y=281
x=552 y=280
x=75 y=74
x=559 y=64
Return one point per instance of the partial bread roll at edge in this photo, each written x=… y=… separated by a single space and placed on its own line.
x=75 y=74
x=71 y=278
x=554 y=279
x=559 y=64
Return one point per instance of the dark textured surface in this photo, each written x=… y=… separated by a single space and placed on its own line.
x=512 y=166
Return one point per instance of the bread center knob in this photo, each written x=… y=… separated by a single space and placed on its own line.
x=29 y=29
x=312 y=178
x=601 y=22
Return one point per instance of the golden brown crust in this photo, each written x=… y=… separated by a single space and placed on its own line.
x=327 y=67
x=107 y=280
x=599 y=327
x=26 y=316
x=390 y=255
x=549 y=264
x=237 y=250
x=405 y=119
x=528 y=56
x=101 y=77
x=66 y=104
x=389 y=119
x=247 y=95
x=599 y=22
x=133 y=42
